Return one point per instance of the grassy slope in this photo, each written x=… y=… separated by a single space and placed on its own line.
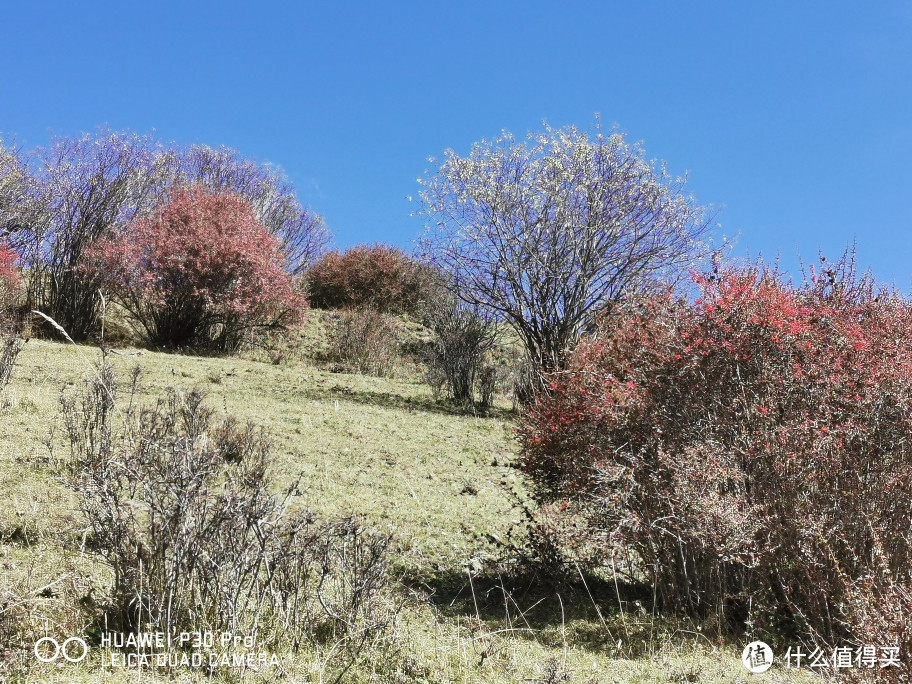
x=381 y=449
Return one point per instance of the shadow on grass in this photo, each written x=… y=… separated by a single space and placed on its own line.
x=392 y=400
x=587 y=611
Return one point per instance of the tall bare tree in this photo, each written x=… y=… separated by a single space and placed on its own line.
x=547 y=231
x=83 y=188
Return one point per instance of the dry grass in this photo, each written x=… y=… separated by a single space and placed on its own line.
x=378 y=448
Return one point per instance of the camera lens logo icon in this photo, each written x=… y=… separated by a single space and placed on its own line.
x=757 y=657
x=73 y=650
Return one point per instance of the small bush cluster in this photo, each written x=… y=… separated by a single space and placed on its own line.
x=201 y=273
x=363 y=341
x=10 y=346
x=463 y=337
x=378 y=277
x=181 y=507
x=751 y=449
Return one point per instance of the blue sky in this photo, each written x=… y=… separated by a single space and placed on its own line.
x=794 y=118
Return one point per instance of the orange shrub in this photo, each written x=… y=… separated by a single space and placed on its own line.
x=379 y=277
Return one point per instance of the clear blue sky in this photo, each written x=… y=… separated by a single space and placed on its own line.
x=794 y=117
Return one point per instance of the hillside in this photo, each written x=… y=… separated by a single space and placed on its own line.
x=435 y=478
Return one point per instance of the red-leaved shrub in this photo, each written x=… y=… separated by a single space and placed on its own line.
x=10 y=339
x=200 y=273
x=751 y=451
x=9 y=279
x=378 y=277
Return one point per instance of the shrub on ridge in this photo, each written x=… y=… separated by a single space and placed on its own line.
x=378 y=277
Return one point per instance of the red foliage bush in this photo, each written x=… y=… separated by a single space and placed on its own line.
x=379 y=277
x=199 y=273
x=751 y=449
x=9 y=279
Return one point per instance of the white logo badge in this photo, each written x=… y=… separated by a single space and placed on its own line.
x=47 y=650
x=757 y=657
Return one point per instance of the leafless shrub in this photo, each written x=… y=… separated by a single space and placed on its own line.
x=180 y=505
x=363 y=341
x=463 y=336
x=553 y=672
x=880 y=608
x=487 y=383
x=534 y=544
x=10 y=346
x=16 y=630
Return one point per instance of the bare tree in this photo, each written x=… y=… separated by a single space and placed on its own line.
x=83 y=188
x=463 y=336
x=548 y=231
x=17 y=197
x=303 y=234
